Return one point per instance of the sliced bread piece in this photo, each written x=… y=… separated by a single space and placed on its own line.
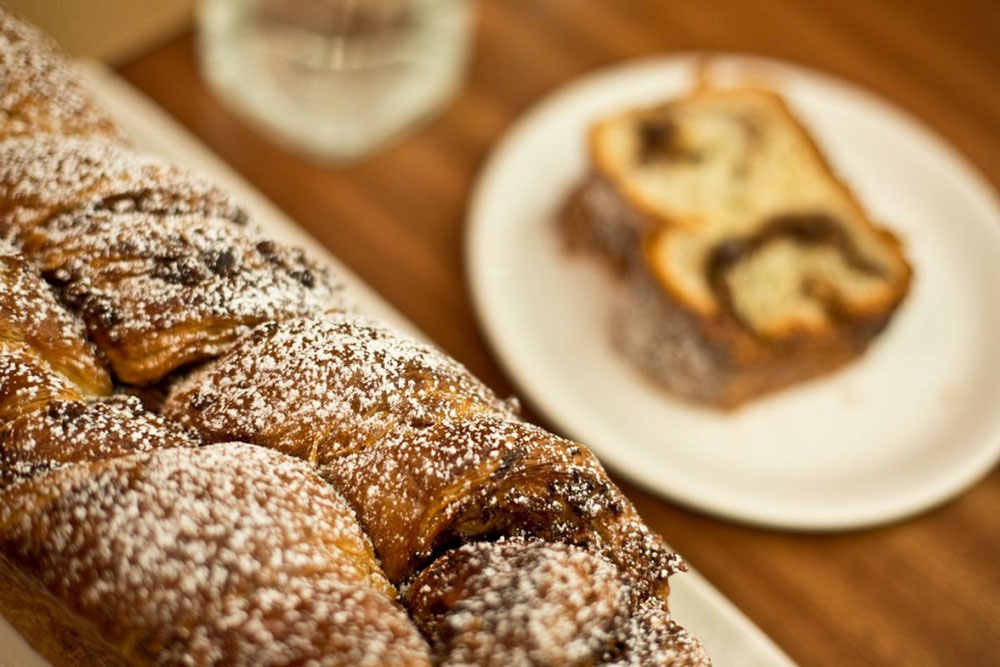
x=750 y=265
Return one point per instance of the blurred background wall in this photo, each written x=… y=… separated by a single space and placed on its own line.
x=111 y=30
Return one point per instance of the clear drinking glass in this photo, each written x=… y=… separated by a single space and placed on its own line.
x=335 y=78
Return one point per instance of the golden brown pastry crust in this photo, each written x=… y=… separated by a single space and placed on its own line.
x=218 y=555
x=418 y=493
x=31 y=317
x=160 y=292
x=41 y=92
x=517 y=601
x=521 y=602
x=42 y=175
x=28 y=383
x=318 y=387
x=427 y=456
x=42 y=349
x=66 y=431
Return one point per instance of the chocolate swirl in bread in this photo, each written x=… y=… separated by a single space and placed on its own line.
x=816 y=229
x=747 y=265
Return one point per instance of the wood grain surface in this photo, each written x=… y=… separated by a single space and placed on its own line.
x=923 y=592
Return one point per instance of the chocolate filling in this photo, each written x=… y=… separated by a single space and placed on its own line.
x=808 y=229
x=659 y=140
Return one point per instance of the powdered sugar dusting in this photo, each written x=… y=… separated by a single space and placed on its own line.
x=228 y=554
x=653 y=638
x=419 y=491
x=30 y=315
x=316 y=387
x=27 y=382
x=513 y=602
x=517 y=547
x=159 y=292
x=44 y=174
x=423 y=452
x=70 y=431
x=39 y=89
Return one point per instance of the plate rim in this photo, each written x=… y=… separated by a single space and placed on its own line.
x=900 y=506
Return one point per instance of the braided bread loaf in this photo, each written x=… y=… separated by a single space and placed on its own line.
x=298 y=484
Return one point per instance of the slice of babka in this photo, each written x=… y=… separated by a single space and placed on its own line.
x=749 y=265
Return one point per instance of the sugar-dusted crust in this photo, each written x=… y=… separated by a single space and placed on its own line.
x=652 y=637
x=32 y=318
x=27 y=382
x=39 y=89
x=425 y=454
x=127 y=540
x=45 y=174
x=420 y=493
x=44 y=356
x=320 y=387
x=158 y=292
x=521 y=602
x=69 y=431
x=228 y=554
x=517 y=601
x=722 y=309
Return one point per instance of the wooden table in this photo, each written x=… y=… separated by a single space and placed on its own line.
x=926 y=591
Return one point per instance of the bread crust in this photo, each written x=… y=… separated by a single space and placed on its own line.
x=427 y=456
x=596 y=218
x=41 y=91
x=703 y=350
x=716 y=360
x=226 y=554
x=124 y=541
x=56 y=633
x=532 y=602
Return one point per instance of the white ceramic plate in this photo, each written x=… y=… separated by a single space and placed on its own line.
x=909 y=425
x=728 y=635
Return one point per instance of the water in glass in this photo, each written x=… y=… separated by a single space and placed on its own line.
x=335 y=78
